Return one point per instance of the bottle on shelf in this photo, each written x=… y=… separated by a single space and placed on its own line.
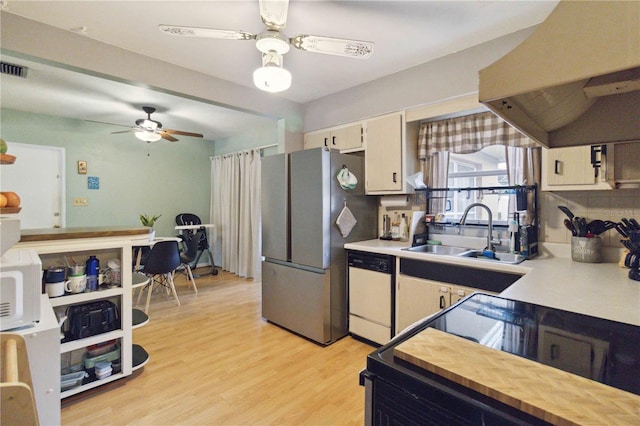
x=404 y=228
x=92 y=270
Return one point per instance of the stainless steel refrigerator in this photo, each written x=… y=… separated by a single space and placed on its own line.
x=304 y=285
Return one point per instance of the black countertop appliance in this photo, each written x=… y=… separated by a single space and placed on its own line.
x=397 y=392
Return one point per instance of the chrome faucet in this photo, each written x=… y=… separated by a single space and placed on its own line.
x=490 y=240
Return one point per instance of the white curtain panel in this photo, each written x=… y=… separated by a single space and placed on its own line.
x=235 y=210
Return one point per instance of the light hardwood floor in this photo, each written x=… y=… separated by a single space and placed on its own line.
x=215 y=361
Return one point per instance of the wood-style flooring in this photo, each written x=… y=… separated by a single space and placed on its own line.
x=215 y=361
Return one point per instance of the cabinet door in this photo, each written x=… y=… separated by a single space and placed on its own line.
x=418 y=298
x=346 y=137
x=570 y=166
x=316 y=139
x=383 y=156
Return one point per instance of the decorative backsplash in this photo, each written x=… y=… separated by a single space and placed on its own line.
x=604 y=205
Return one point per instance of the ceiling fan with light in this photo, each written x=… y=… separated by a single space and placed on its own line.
x=273 y=44
x=150 y=130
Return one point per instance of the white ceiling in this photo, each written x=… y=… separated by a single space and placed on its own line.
x=405 y=33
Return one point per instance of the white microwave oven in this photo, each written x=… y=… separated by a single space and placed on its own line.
x=20 y=289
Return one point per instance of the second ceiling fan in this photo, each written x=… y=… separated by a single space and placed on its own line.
x=150 y=130
x=273 y=44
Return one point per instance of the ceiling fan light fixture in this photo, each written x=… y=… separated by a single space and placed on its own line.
x=271 y=77
x=272 y=41
x=148 y=136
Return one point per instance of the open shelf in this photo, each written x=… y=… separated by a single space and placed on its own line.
x=140 y=357
x=139 y=318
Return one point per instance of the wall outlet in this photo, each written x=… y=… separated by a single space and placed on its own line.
x=80 y=202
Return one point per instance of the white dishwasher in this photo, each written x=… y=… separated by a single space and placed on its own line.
x=371 y=295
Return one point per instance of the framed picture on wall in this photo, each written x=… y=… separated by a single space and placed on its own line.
x=82 y=167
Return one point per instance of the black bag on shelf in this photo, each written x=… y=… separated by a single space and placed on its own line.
x=91 y=318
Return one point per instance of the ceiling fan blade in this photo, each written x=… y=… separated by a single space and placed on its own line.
x=108 y=124
x=333 y=46
x=179 y=132
x=167 y=136
x=274 y=13
x=125 y=131
x=206 y=32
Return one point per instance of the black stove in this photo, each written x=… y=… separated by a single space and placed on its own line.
x=601 y=350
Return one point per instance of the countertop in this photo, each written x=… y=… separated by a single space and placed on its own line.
x=46 y=234
x=551 y=279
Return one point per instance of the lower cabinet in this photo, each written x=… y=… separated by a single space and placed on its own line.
x=418 y=298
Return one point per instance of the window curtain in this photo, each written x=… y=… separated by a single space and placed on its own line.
x=235 y=210
x=472 y=133
x=467 y=134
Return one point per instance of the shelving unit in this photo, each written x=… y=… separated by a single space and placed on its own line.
x=52 y=252
x=442 y=193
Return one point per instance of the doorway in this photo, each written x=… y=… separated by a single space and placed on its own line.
x=37 y=176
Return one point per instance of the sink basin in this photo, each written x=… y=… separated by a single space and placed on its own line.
x=511 y=258
x=439 y=249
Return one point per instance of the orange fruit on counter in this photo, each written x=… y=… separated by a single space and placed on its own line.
x=12 y=199
x=3 y=200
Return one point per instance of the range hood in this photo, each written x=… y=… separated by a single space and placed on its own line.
x=575 y=80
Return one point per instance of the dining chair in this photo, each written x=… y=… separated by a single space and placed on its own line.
x=188 y=255
x=162 y=261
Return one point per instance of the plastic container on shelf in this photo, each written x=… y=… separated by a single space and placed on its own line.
x=104 y=374
x=101 y=348
x=72 y=380
x=90 y=362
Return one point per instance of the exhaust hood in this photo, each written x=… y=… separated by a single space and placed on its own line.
x=575 y=80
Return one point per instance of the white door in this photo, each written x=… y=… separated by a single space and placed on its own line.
x=37 y=177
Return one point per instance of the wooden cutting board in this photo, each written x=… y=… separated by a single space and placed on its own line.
x=545 y=392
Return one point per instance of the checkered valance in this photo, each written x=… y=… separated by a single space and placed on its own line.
x=467 y=134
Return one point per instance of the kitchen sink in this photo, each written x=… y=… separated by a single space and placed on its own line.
x=439 y=249
x=511 y=258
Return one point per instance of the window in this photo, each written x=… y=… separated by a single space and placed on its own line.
x=487 y=167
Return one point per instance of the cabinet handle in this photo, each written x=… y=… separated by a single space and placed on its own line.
x=442 y=302
x=333 y=140
x=395 y=177
x=325 y=142
x=555 y=352
x=556 y=167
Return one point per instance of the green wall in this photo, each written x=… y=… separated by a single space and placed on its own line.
x=135 y=177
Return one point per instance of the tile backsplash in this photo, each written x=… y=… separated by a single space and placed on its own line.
x=605 y=205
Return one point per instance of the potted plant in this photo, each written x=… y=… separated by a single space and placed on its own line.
x=149 y=221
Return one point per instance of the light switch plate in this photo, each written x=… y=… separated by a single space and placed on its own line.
x=80 y=202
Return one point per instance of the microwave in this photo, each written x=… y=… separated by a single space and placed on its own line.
x=20 y=289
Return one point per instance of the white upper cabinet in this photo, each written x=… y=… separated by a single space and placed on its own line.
x=565 y=169
x=390 y=154
x=343 y=138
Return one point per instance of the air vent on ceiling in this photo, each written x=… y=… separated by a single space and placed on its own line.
x=11 y=69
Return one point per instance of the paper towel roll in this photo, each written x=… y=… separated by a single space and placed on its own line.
x=394 y=200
